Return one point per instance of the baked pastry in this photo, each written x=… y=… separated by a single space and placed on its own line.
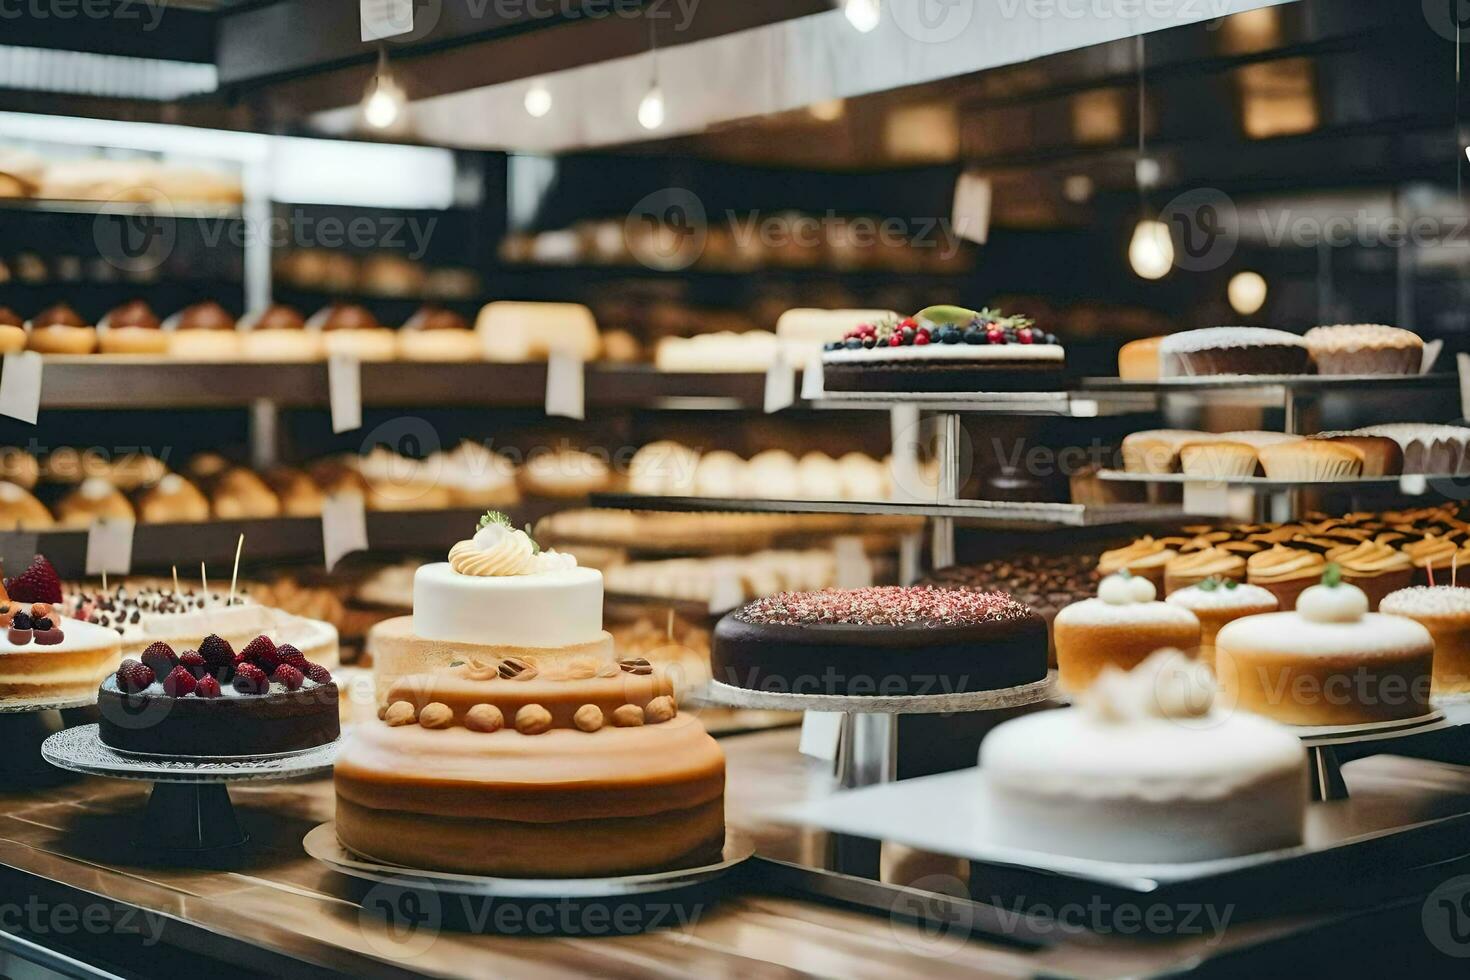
x=1432 y=556
x=1121 y=627
x=1444 y=610
x=476 y=476
x=667 y=469
x=889 y=640
x=67 y=464
x=945 y=348
x=353 y=331
x=1218 y=459
x=1382 y=456
x=1233 y=351
x=94 y=500
x=1216 y=602
x=770 y=475
x=20 y=511
x=519 y=332
x=1311 y=459
x=1374 y=567
x=132 y=328
x=1157 y=450
x=238 y=493
x=44 y=656
x=1146 y=557
x=205 y=702
x=60 y=330
x=297 y=492
x=205 y=467
x=437 y=334
x=173 y=500
x=1331 y=662
x=518 y=745
x=399 y=483
x=144 y=613
x=1285 y=572
x=564 y=473
x=1138 y=360
x=723 y=351
x=278 y=333
x=12 y=331
x=1193 y=567
x=1433 y=449
x=1146 y=768
x=129 y=471
x=203 y=332
x=1364 y=348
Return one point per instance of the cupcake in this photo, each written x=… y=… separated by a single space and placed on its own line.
x=1434 y=449
x=1119 y=628
x=203 y=332
x=437 y=334
x=1145 y=557
x=1309 y=459
x=1443 y=610
x=1216 y=602
x=1234 y=350
x=59 y=330
x=1364 y=348
x=132 y=328
x=1374 y=567
x=278 y=333
x=1157 y=450
x=1381 y=455
x=1329 y=663
x=1196 y=566
x=1285 y=572
x=1218 y=460
x=12 y=331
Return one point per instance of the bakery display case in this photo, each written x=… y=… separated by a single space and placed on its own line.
x=488 y=491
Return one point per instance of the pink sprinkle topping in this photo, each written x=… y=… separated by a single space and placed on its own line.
x=886 y=605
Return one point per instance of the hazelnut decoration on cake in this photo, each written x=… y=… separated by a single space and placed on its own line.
x=44 y=656
x=214 y=702
x=945 y=348
x=535 y=752
x=887 y=641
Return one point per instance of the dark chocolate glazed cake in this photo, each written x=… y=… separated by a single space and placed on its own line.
x=887 y=641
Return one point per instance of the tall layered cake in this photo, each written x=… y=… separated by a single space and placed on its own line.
x=533 y=751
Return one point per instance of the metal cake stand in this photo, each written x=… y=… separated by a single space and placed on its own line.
x=189 y=809
x=1322 y=741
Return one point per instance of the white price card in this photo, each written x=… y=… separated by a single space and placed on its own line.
x=344 y=390
x=344 y=526
x=910 y=558
x=565 y=385
x=1206 y=499
x=904 y=472
x=1431 y=354
x=20 y=386
x=854 y=569
x=110 y=547
x=780 y=384
x=820 y=733
x=727 y=592
x=385 y=18
x=972 y=194
x=813 y=380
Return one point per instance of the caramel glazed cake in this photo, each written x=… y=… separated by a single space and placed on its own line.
x=534 y=752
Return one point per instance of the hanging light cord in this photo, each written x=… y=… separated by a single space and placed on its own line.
x=1138 y=164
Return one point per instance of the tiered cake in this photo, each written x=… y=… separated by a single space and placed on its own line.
x=534 y=752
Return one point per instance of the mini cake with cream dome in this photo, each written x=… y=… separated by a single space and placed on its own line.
x=945 y=348
x=1119 y=628
x=1216 y=602
x=1146 y=768
x=1444 y=610
x=1329 y=663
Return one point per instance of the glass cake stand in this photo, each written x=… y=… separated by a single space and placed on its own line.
x=411 y=898
x=189 y=809
x=24 y=727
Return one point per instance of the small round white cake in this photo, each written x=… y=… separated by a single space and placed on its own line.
x=1146 y=769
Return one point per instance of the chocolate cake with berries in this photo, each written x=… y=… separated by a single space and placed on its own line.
x=945 y=348
x=888 y=641
x=212 y=702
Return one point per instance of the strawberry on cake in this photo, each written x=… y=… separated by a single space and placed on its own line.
x=46 y=658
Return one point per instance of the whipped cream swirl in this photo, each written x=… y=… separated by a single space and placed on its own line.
x=497 y=550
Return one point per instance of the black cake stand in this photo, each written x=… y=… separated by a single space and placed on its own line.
x=189 y=810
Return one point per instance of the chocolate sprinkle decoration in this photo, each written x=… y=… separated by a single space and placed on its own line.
x=886 y=605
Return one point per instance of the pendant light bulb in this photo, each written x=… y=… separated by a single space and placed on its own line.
x=538 y=100
x=651 y=109
x=384 y=103
x=1151 y=250
x=863 y=15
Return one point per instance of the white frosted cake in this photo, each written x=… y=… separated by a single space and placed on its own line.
x=1146 y=768
x=498 y=595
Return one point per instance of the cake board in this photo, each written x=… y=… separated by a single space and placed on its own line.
x=611 y=905
x=189 y=811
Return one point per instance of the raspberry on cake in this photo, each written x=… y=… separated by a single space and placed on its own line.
x=945 y=348
x=885 y=641
x=208 y=703
x=45 y=657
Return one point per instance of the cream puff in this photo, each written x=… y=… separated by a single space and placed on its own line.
x=132 y=328
x=298 y=493
x=437 y=334
x=172 y=500
x=20 y=511
x=94 y=500
x=12 y=331
x=352 y=330
x=60 y=330
x=203 y=332
x=278 y=333
x=239 y=493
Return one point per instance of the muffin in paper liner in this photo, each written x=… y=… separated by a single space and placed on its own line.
x=1365 y=348
x=1311 y=460
x=1221 y=460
